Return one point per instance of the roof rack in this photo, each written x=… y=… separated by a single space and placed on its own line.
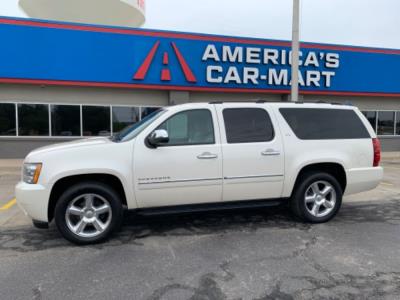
x=261 y=101
x=248 y=101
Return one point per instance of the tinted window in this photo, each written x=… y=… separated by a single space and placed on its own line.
x=371 y=116
x=33 y=119
x=398 y=123
x=385 y=123
x=7 y=119
x=247 y=125
x=65 y=120
x=124 y=116
x=191 y=127
x=96 y=120
x=323 y=124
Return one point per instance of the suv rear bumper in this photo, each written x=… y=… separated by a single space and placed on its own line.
x=363 y=179
x=33 y=199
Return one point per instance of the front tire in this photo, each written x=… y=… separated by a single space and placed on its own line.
x=317 y=198
x=88 y=213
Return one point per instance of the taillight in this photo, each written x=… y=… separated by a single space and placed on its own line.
x=377 y=151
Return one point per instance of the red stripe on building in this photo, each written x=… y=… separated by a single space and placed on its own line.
x=142 y=71
x=165 y=75
x=165 y=59
x=185 y=67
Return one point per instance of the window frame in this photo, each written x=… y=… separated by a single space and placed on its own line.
x=46 y=137
x=376 y=111
x=179 y=145
x=140 y=107
x=109 y=117
x=257 y=108
x=394 y=123
x=51 y=121
x=33 y=136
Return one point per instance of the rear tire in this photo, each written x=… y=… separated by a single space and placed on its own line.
x=88 y=212
x=317 y=198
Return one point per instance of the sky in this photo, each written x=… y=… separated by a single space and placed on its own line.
x=374 y=23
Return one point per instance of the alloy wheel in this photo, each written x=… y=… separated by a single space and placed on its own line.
x=88 y=215
x=320 y=198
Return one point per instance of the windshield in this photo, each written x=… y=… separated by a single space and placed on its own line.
x=132 y=131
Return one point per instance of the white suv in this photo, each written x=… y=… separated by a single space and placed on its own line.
x=204 y=156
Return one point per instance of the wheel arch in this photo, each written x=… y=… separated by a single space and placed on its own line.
x=63 y=183
x=333 y=168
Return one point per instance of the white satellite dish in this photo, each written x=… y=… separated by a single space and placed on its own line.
x=129 y=13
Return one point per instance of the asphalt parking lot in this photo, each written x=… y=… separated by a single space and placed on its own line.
x=252 y=254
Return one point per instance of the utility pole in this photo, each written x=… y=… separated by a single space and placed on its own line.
x=295 y=51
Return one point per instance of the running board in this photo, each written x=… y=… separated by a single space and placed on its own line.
x=204 y=207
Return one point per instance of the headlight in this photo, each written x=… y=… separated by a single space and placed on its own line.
x=31 y=172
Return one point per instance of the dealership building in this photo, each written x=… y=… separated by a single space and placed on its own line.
x=64 y=81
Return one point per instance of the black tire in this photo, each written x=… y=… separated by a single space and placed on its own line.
x=298 y=200
x=101 y=191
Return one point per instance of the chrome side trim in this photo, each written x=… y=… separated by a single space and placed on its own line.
x=208 y=179
x=181 y=181
x=251 y=176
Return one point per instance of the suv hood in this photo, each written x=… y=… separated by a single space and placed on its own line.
x=69 y=145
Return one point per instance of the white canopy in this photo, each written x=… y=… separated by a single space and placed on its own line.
x=129 y=13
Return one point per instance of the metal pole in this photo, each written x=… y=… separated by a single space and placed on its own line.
x=295 y=51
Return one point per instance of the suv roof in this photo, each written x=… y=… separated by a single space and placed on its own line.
x=270 y=103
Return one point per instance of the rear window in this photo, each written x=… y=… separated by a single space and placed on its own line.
x=324 y=124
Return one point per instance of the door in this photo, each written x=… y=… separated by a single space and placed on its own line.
x=185 y=170
x=253 y=165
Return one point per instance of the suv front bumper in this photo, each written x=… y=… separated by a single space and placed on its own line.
x=33 y=199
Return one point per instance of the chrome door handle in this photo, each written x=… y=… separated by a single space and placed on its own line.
x=207 y=155
x=270 y=152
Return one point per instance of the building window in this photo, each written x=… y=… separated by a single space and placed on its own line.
x=386 y=123
x=148 y=110
x=8 y=125
x=33 y=119
x=398 y=123
x=371 y=116
x=96 y=121
x=247 y=125
x=124 y=116
x=65 y=120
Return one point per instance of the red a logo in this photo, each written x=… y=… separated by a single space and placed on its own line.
x=165 y=73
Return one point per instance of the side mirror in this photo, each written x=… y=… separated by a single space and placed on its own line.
x=158 y=137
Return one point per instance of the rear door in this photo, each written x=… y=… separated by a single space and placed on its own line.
x=253 y=157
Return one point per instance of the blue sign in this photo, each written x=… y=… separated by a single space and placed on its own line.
x=41 y=52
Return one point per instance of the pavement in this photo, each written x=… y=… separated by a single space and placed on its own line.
x=245 y=254
x=10 y=174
